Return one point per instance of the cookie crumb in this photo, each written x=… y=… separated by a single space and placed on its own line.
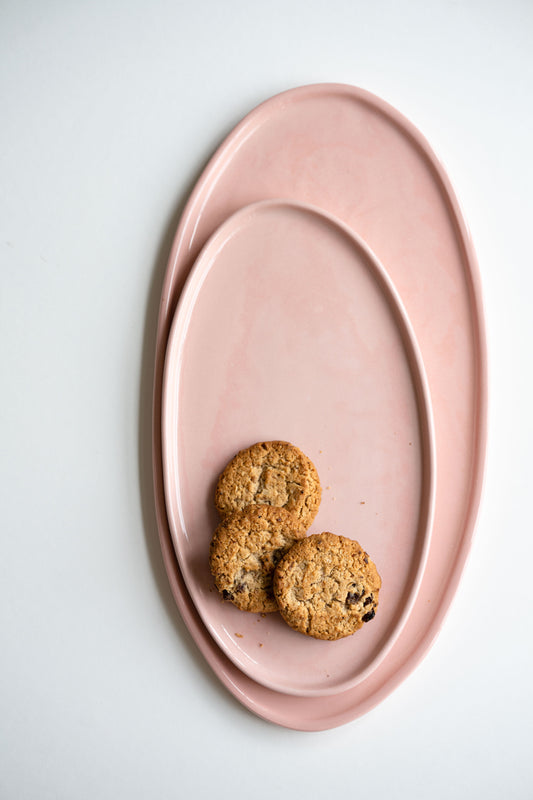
x=260 y=644
x=239 y=636
x=362 y=503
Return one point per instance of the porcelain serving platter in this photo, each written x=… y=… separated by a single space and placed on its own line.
x=288 y=327
x=352 y=155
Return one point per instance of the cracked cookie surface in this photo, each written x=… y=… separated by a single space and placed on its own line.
x=326 y=586
x=270 y=473
x=244 y=552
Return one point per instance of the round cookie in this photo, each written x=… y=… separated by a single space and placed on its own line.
x=272 y=473
x=244 y=552
x=326 y=586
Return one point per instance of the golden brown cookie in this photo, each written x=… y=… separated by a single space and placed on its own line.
x=244 y=551
x=272 y=473
x=326 y=586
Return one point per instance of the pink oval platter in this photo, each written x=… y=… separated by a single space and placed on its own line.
x=352 y=155
x=288 y=327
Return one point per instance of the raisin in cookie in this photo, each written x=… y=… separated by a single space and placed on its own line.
x=272 y=473
x=326 y=586
x=244 y=551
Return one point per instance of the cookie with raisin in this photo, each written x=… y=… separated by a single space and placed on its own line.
x=244 y=551
x=326 y=586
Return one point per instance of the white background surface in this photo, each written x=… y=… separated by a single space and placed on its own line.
x=108 y=112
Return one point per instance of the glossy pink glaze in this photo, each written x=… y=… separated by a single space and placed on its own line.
x=289 y=328
x=350 y=153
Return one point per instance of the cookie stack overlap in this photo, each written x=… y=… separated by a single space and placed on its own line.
x=324 y=585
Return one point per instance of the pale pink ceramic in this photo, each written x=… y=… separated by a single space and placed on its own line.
x=289 y=328
x=346 y=151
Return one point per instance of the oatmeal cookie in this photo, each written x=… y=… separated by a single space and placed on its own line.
x=272 y=473
x=326 y=586
x=244 y=551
